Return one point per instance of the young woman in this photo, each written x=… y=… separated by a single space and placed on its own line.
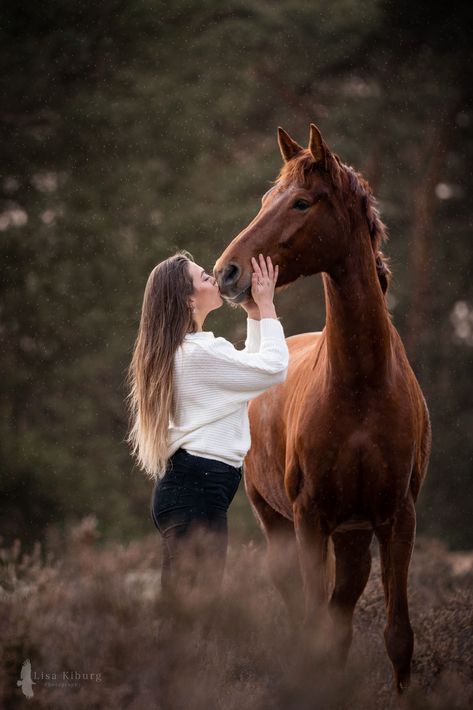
x=188 y=399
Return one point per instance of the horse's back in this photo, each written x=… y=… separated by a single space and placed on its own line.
x=302 y=341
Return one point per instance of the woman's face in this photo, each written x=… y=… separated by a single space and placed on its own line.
x=206 y=296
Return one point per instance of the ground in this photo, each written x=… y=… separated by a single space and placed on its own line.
x=96 y=609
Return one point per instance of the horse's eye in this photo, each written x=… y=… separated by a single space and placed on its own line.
x=301 y=205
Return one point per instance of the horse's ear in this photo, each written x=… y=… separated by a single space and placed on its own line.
x=317 y=147
x=287 y=146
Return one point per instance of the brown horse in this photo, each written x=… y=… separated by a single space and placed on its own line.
x=340 y=450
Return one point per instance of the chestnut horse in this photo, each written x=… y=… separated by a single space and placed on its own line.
x=340 y=449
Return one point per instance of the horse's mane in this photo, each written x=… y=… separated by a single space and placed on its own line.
x=350 y=182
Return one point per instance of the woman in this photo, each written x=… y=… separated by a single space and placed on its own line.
x=188 y=398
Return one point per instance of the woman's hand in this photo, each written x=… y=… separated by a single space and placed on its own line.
x=263 y=281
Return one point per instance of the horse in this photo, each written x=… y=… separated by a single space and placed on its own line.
x=340 y=449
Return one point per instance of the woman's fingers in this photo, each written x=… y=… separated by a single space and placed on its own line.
x=263 y=279
x=256 y=266
x=263 y=267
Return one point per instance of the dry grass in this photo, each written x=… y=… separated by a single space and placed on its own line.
x=94 y=609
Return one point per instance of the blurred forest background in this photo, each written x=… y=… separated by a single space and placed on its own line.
x=131 y=128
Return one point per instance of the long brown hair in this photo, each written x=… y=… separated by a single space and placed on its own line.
x=166 y=317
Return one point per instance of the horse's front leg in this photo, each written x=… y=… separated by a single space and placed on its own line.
x=396 y=543
x=353 y=565
x=313 y=548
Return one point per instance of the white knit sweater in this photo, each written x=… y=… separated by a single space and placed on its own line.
x=213 y=383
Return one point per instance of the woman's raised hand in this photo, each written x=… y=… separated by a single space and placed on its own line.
x=263 y=280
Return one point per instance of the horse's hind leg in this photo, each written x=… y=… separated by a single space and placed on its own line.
x=353 y=565
x=396 y=543
x=283 y=562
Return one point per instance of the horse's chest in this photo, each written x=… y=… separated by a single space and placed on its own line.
x=347 y=428
x=342 y=458
x=352 y=459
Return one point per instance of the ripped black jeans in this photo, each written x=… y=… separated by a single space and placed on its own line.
x=195 y=492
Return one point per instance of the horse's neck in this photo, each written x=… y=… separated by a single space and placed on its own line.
x=357 y=320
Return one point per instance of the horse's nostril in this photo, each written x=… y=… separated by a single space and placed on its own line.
x=231 y=274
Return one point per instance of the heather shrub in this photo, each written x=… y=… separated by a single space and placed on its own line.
x=96 y=611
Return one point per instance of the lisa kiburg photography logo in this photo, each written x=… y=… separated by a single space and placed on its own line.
x=60 y=679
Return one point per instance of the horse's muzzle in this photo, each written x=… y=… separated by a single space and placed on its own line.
x=229 y=275
x=238 y=297
x=227 y=279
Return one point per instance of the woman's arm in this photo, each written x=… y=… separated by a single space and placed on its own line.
x=253 y=336
x=220 y=367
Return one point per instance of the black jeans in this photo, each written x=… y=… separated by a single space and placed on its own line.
x=194 y=493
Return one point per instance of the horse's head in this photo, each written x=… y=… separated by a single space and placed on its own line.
x=306 y=221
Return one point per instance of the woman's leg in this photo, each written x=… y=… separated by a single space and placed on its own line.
x=214 y=553
x=189 y=508
x=166 y=566
x=172 y=509
x=176 y=568
x=220 y=489
x=166 y=557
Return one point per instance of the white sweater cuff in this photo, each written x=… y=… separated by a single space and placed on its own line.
x=271 y=328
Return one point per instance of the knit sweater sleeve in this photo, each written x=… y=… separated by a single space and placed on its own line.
x=253 y=338
x=243 y=375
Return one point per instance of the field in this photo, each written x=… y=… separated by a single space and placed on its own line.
x=85 y=608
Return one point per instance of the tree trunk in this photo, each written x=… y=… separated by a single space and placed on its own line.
x=432 y=163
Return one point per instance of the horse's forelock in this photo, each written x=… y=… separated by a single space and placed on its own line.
x=299 y=170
